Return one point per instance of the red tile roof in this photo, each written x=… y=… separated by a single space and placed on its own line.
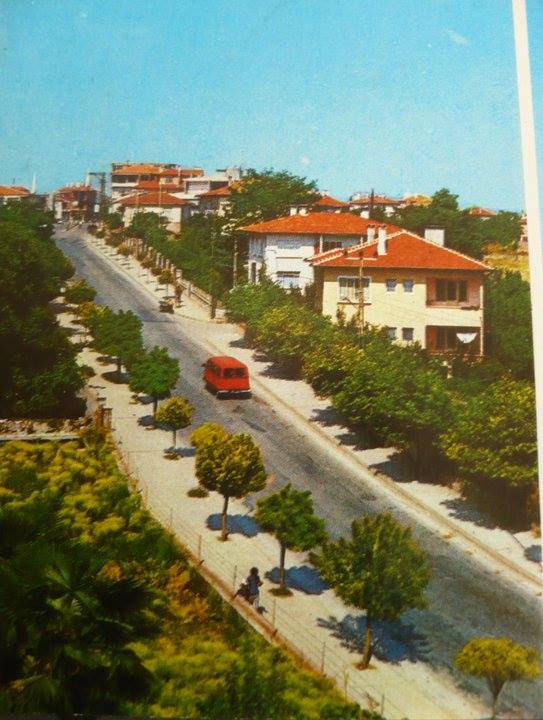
x=482 y=212
x=404 y=250
x=317 y=223
x=218 y=192
x=13 y=190
x=329 y=201
x=153 y=199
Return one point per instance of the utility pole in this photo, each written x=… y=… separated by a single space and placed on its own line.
x=101 y=193
x=361 y=291
x=235 y=265
x=213 y=304
x=372 y=200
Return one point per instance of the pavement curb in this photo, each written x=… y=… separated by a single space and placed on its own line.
x=265 y=393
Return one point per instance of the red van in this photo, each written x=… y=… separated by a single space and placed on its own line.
x=224 y=375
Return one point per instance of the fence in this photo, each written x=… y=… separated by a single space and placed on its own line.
x=277 y=623
x=137 y=245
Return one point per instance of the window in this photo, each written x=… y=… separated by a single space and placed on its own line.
x=288 y=280
x=451 y=290
x=446 y=338
x=407 y=334
x=331 y=245
x=234 y=372
x=348 y=289
x=391 y=333
x=408 y=285
x=390 y=285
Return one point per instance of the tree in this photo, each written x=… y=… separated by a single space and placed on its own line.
x=166 y=278
x=40 y=376
x=289 y=516
x=493 y=442
x=154 y=373
x=498 y=660
x=118 y=334
x=229 y=464
x=380 y=570
x=508 y=322
x=399 y=395
x=79 y=292
x=267 y=194
x=176 y=412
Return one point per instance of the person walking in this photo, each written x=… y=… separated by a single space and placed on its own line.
x=253 y=583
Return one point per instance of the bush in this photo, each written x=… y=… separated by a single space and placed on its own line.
x=198 y=492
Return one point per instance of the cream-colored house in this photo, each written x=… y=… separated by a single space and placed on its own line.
x=172 y=209
x=418 y=289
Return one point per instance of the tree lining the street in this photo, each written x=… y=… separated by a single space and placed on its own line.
x=118 y=334
x=154 y=373
x=289 y=516
x=498 y=661
x=228 y=464
x=380 y=569
x=392 y=394
x=40 y=376
x=176 y=413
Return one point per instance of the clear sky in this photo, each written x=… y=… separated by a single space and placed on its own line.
x=399 y=95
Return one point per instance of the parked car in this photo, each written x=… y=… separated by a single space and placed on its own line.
x=224 y=375
x=166 y=306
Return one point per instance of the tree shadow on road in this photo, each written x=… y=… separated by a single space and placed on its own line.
x=113 y=377
x=461 y=509
x=393 y=642
x=304 y=578
x=237 y=524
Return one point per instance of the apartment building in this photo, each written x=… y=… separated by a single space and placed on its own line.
x=125 y=177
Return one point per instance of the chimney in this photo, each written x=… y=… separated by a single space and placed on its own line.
x=293 y=210
x=371 y=233
x=435 y=235
x=382 y=240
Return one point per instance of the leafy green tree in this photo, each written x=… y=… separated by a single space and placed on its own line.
x=154 y=373
x=498 y=661
x=380 y=570
x=176 y=412
x=228 y=464
x=114 y=220
x=289 y=516
x=508 y=322
x=288 y=349
x=267 y=194
x=79 y=292
x=118 y=334
x=166 y=278
x=493 y=442
x=35 y=350
x=399 y=395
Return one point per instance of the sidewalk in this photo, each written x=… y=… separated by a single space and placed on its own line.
x=315 y=626
x=441 y=508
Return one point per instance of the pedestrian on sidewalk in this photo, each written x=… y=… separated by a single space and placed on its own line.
x=253 y=583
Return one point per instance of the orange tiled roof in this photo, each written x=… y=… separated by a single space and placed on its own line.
x=153 y=199
x=404 y=250
x=317 y=223
x=13 y=190
x=482 y=212
x=218 y=192
x=329 y=201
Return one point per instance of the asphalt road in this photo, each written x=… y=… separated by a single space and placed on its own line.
x=463 y=599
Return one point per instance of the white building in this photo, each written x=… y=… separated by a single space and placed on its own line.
x=205 y=183
x=283 y=245
x=125 y=177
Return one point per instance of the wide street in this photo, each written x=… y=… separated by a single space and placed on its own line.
x=464 y=600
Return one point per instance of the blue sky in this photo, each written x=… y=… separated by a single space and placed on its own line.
x=397 y=95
